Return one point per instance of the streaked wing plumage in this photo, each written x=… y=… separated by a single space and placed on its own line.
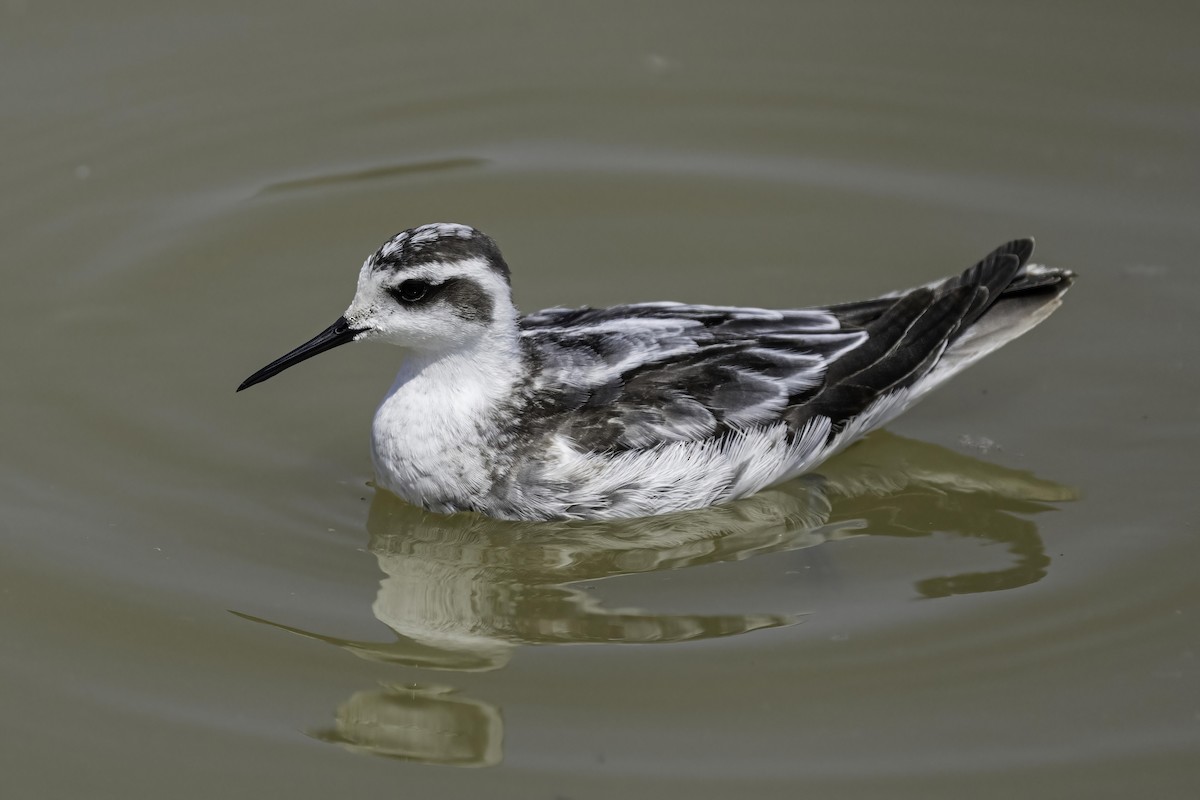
x=633 y=376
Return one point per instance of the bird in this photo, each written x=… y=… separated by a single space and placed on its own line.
x=648 y=408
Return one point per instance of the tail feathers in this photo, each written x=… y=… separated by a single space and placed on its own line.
x=1029 y=296
x=920 y=338
x=1036 y=277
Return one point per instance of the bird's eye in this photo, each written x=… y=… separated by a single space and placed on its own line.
x=411 y=291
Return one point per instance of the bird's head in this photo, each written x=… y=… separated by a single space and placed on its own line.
x=439 y=287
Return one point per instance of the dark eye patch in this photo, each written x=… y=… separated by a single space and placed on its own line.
x=466 y=298
x=411 y=291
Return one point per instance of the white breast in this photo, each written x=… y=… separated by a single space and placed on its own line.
x=428 y=441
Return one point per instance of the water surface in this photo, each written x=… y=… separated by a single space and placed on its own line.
x=202 y=592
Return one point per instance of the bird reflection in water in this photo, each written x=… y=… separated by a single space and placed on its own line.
x=462 y=592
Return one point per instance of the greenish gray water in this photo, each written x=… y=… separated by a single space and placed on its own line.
x=998 y=596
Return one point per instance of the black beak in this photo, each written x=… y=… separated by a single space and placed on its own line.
x=336 y=334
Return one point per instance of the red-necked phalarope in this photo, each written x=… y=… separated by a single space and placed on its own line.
x=643 y=409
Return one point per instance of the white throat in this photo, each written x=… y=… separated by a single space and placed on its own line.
x=430 y=436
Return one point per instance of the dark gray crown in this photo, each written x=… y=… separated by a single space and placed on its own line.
x=439 y=241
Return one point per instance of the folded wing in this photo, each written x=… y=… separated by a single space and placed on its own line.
x=633 y=376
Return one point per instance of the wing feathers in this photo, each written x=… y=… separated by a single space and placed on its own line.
x=630 y=377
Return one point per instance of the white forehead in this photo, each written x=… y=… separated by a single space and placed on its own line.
x=472 y=267
x=425 y=235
